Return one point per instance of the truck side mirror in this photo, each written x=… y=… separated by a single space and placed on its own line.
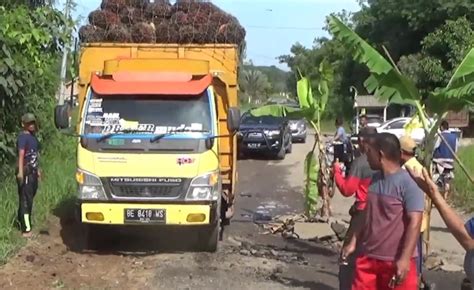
x=61 y=116
x=233 y=119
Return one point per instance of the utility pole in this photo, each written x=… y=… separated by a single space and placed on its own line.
x=62 y=89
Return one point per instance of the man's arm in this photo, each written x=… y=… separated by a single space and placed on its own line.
x=454 y=223
x=347 y=186
x=413 y=206
x=411 y=235
x=21 y=162
x=21 y=143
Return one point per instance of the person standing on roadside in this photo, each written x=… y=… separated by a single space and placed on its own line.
x=463 y=232
x=390 y=225
x=28 y=172
x=356 y=183
x=363 y=122
x=408 y=150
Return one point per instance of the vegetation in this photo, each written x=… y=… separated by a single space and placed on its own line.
x=312 y=106
x=31 y=40
x=254 y=86
x=463 y=188
x=427 y=39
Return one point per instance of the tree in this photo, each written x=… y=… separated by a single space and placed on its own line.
x=317 y=177
x=387 y=82
x=254 y=85
x=30 y=43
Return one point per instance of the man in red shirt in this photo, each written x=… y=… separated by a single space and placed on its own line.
x=357 y=182
x=391 y=225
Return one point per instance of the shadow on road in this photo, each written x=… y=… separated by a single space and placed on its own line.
x=287 y=281
x=130 y=241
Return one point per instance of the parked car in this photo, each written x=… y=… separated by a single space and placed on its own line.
x=266 y=135
x=397 y=127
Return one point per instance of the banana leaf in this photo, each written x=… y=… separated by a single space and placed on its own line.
x=283 y=111
x=326 y=77
x=311 y=169
x=460 y=90
x=304 y=92
x=385 y=81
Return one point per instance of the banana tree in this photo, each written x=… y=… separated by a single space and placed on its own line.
x=388 y=83
x=312 y=105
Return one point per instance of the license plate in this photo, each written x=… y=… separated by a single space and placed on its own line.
x=134 y=215
x=253 y=145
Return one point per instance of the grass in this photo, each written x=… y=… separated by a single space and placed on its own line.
x=58 y=165
x=463 y=188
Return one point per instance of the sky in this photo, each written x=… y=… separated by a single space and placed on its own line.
x=272 y=26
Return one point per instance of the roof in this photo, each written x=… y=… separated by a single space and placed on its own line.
x=369 y=101
x=129 y=84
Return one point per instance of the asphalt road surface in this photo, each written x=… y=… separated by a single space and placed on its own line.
x=156 y=259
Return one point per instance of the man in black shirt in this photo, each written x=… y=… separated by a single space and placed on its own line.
x=28 y=171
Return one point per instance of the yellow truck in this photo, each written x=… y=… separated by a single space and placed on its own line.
x=156 y=136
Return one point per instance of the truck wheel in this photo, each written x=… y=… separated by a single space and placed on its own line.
x=303 y=140
x=209 y=238
x=290 y=147
x=88 y=237
x=282 y=153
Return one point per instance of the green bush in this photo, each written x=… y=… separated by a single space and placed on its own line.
x=30 y=44
x=58 y=165
x=31 y=40
x=463 y=188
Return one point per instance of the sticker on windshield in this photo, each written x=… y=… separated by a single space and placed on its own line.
x=94 y=110
x=196 y=127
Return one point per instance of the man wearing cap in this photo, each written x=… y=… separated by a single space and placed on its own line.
x=28 y=171
x=408 y=148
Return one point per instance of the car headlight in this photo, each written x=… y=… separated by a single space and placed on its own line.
x=90 y=186
x=271 y=133
x=205 y=187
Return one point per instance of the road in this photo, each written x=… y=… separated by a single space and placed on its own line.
x=156 y=259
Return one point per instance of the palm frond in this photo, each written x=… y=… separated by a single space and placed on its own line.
x=385 y=81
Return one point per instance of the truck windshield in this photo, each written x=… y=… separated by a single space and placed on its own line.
x=147 y=114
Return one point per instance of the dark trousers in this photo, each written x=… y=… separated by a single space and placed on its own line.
x=26 y=191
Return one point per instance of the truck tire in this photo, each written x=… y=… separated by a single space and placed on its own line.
x=281 y=154
x=209 y=238
x=89 y=237
x=290 y=147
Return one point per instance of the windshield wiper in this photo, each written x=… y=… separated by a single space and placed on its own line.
x=183 y=130
x=125 y=131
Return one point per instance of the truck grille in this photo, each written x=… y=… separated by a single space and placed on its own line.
x=148 y=190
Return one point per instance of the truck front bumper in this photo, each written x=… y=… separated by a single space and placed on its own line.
x=176 y=214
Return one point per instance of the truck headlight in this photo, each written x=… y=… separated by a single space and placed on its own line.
x=90 y=186
x=205 y=187
x=271 y=133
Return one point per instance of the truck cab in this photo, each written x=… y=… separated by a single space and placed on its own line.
x=155 y=141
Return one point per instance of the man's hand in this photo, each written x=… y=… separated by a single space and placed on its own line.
x=336 y=165
x=40 y=175
x=402 y=268
x=19 y=176
x=348 y=248
x=424 y=181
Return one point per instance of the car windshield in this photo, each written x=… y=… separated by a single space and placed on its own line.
x=267 y=120
x=147 y=114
